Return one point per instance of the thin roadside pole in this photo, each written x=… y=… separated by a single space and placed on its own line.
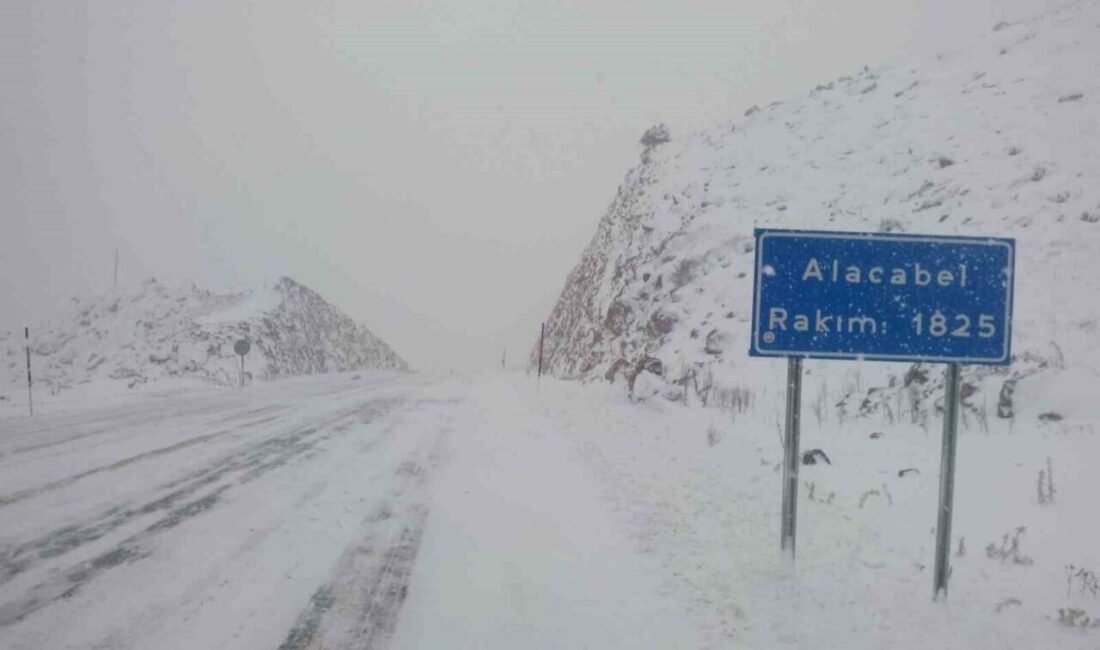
x=791 y=458
x=30 y=394
x=947 y=481
x=542 y=340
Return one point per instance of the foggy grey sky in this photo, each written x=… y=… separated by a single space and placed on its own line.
x=433 y=167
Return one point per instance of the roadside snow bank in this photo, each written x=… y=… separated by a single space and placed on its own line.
x=699 y=492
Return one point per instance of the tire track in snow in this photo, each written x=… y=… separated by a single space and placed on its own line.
x=92 y=427
x=154 y=453
x=360 y=605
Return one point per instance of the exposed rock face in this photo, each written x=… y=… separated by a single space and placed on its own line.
x=188 y=332
x=306 y=335
x=669 y=271
x=588 y=324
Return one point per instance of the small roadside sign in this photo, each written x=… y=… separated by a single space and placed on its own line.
x=242 y=348
x=885 y=297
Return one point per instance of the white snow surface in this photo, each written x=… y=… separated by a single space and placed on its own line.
x=379 y=509
x=383 y=510
x=162 y=332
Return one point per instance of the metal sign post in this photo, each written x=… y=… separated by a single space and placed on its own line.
x=882 y=297
x=30 y=394
x=947 y=481
x=242 y=348
x=790 y=458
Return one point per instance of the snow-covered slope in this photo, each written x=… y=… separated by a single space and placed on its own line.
x=1000 y=139
x=162 y=332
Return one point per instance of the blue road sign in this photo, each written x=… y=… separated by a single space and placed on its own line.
x=883 y=297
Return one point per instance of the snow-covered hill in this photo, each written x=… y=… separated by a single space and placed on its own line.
x=162 y=332
x=1000 y=139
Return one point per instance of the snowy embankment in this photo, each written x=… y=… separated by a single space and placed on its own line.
x=185 y=333
x=698 y=491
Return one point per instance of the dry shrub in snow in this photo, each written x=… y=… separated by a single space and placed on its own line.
x=1009 y=549
x=735 y=399
x=1076 y=618
x=1046 y=484
x=1087 y=581
x=655 y=135
x=714 y=436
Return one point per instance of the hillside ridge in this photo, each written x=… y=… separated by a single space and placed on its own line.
x=159 y=332
x=994 y=140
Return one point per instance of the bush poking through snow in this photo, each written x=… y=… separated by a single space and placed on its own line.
x=714 y=436
x=811 y=490
x=982 y=414
x=888 y=224
x=1004 y=403
x=1009 y=549
x=684 y=273
x=736 y=399
x=703 y=385
x=655 y=135
x=1076 y=618
x=1046 y=483
x=863 y=498
x=1088 y=582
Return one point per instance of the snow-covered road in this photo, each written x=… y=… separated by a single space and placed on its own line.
x=405 y=511
x=221 y=519
x=343 y=511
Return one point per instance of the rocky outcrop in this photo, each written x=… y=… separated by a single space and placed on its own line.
x=162 y=332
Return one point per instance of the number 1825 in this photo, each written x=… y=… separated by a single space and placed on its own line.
x=961 y=325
